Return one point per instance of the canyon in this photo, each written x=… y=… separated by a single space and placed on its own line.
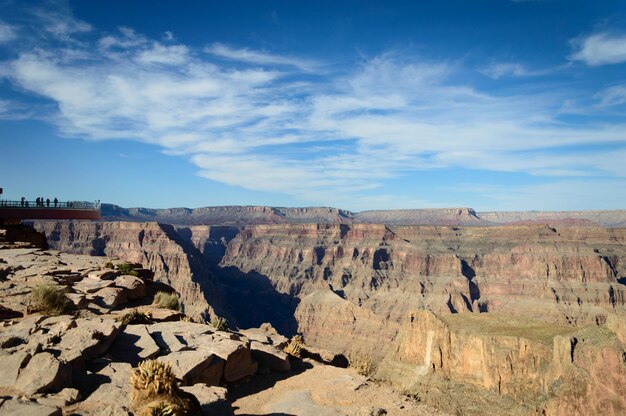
x=517 y=319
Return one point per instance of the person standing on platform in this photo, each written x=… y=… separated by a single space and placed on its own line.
x=48 y=202
x=56 y=201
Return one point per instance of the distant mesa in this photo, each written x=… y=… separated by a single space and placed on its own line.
x=235 y=215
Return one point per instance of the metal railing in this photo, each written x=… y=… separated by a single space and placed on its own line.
x=50 y=205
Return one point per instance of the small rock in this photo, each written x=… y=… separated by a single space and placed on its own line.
x=43 y=374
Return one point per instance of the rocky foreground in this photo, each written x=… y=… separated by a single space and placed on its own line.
x=80 y=362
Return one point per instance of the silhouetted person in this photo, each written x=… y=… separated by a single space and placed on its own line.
x=56 y=201
x=22 y=201
x=48 y=202
x=37 y=202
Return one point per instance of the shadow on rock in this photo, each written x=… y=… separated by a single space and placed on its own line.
x=265 y=381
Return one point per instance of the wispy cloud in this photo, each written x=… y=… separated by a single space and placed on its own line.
x=497 y=70
x=260 y=121
x=257 y=57
x=7 y=33
x=600 y=49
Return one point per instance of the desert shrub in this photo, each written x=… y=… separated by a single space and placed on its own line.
x=127 y=268
x=219 y=323
x=166 y=301
x=295 y=346
x=413 y=395
x=109 y=265
x=363 y=363
x=186 y=318
x=154 y=391
x=50 y=300
x=161 y=409
x=135 y=317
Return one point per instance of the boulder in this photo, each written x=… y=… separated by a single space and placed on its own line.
x=237 y=357
x=27 y=408
x=194 y=367
x=10 y=366
x=110 y=297
x=213 y=400
x=90 y=339
x=270 y=357
x=135 y=287
x=103 y=275
x=43 y=374
x=92 y=285
x=133 y=345
x=266 y=334
x=164 y=315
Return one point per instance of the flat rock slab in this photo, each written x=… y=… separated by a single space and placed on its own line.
x=135 y=287
x=169 y=342
x=299 y=403
x=19 y=333
x=266 y=334
x=26 y=408
x=113 y=394
x=92 y=285
x=90 y=339
x=78 y=299
x=213 y=400
x=10 y=366
x=103 y=275
x=194 y=367
x=63 y=398
x=43 y=374
x=270 y=357
x=181 y=328
x=163 y=315
x=134 y=344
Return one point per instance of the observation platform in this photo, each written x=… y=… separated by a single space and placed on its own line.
x=31 y=210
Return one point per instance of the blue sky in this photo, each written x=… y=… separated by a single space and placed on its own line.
x=496 y=105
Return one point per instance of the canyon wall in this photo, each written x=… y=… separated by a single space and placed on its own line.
x=519 y=315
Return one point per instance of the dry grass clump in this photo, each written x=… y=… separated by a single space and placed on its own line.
x=295 y=346
x=187 y=318
x=363 y=363
x=219 y=323
x=135 y=317
x=155 y=392
x=109 y=265
x=166 y=301
x=50 y=300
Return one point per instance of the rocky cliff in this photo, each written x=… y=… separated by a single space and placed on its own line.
x=503 y=302
x=248 y=215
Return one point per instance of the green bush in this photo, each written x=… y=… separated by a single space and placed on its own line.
x=109 y=265
x=127 y=268
x=166 y=301
x=50 y=300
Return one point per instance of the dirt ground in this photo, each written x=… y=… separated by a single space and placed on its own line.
x=314 y=389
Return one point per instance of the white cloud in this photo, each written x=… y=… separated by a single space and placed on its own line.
x=7 y=33
x=497 y=70
x=600 y=49
x=615 y=95
x=261 y=123
x=257 y=57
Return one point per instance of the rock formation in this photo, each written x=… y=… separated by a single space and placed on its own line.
x=523 y=319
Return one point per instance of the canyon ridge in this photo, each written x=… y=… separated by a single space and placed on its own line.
x=502 y=313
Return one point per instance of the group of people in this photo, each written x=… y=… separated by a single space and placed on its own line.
x=40 y=202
